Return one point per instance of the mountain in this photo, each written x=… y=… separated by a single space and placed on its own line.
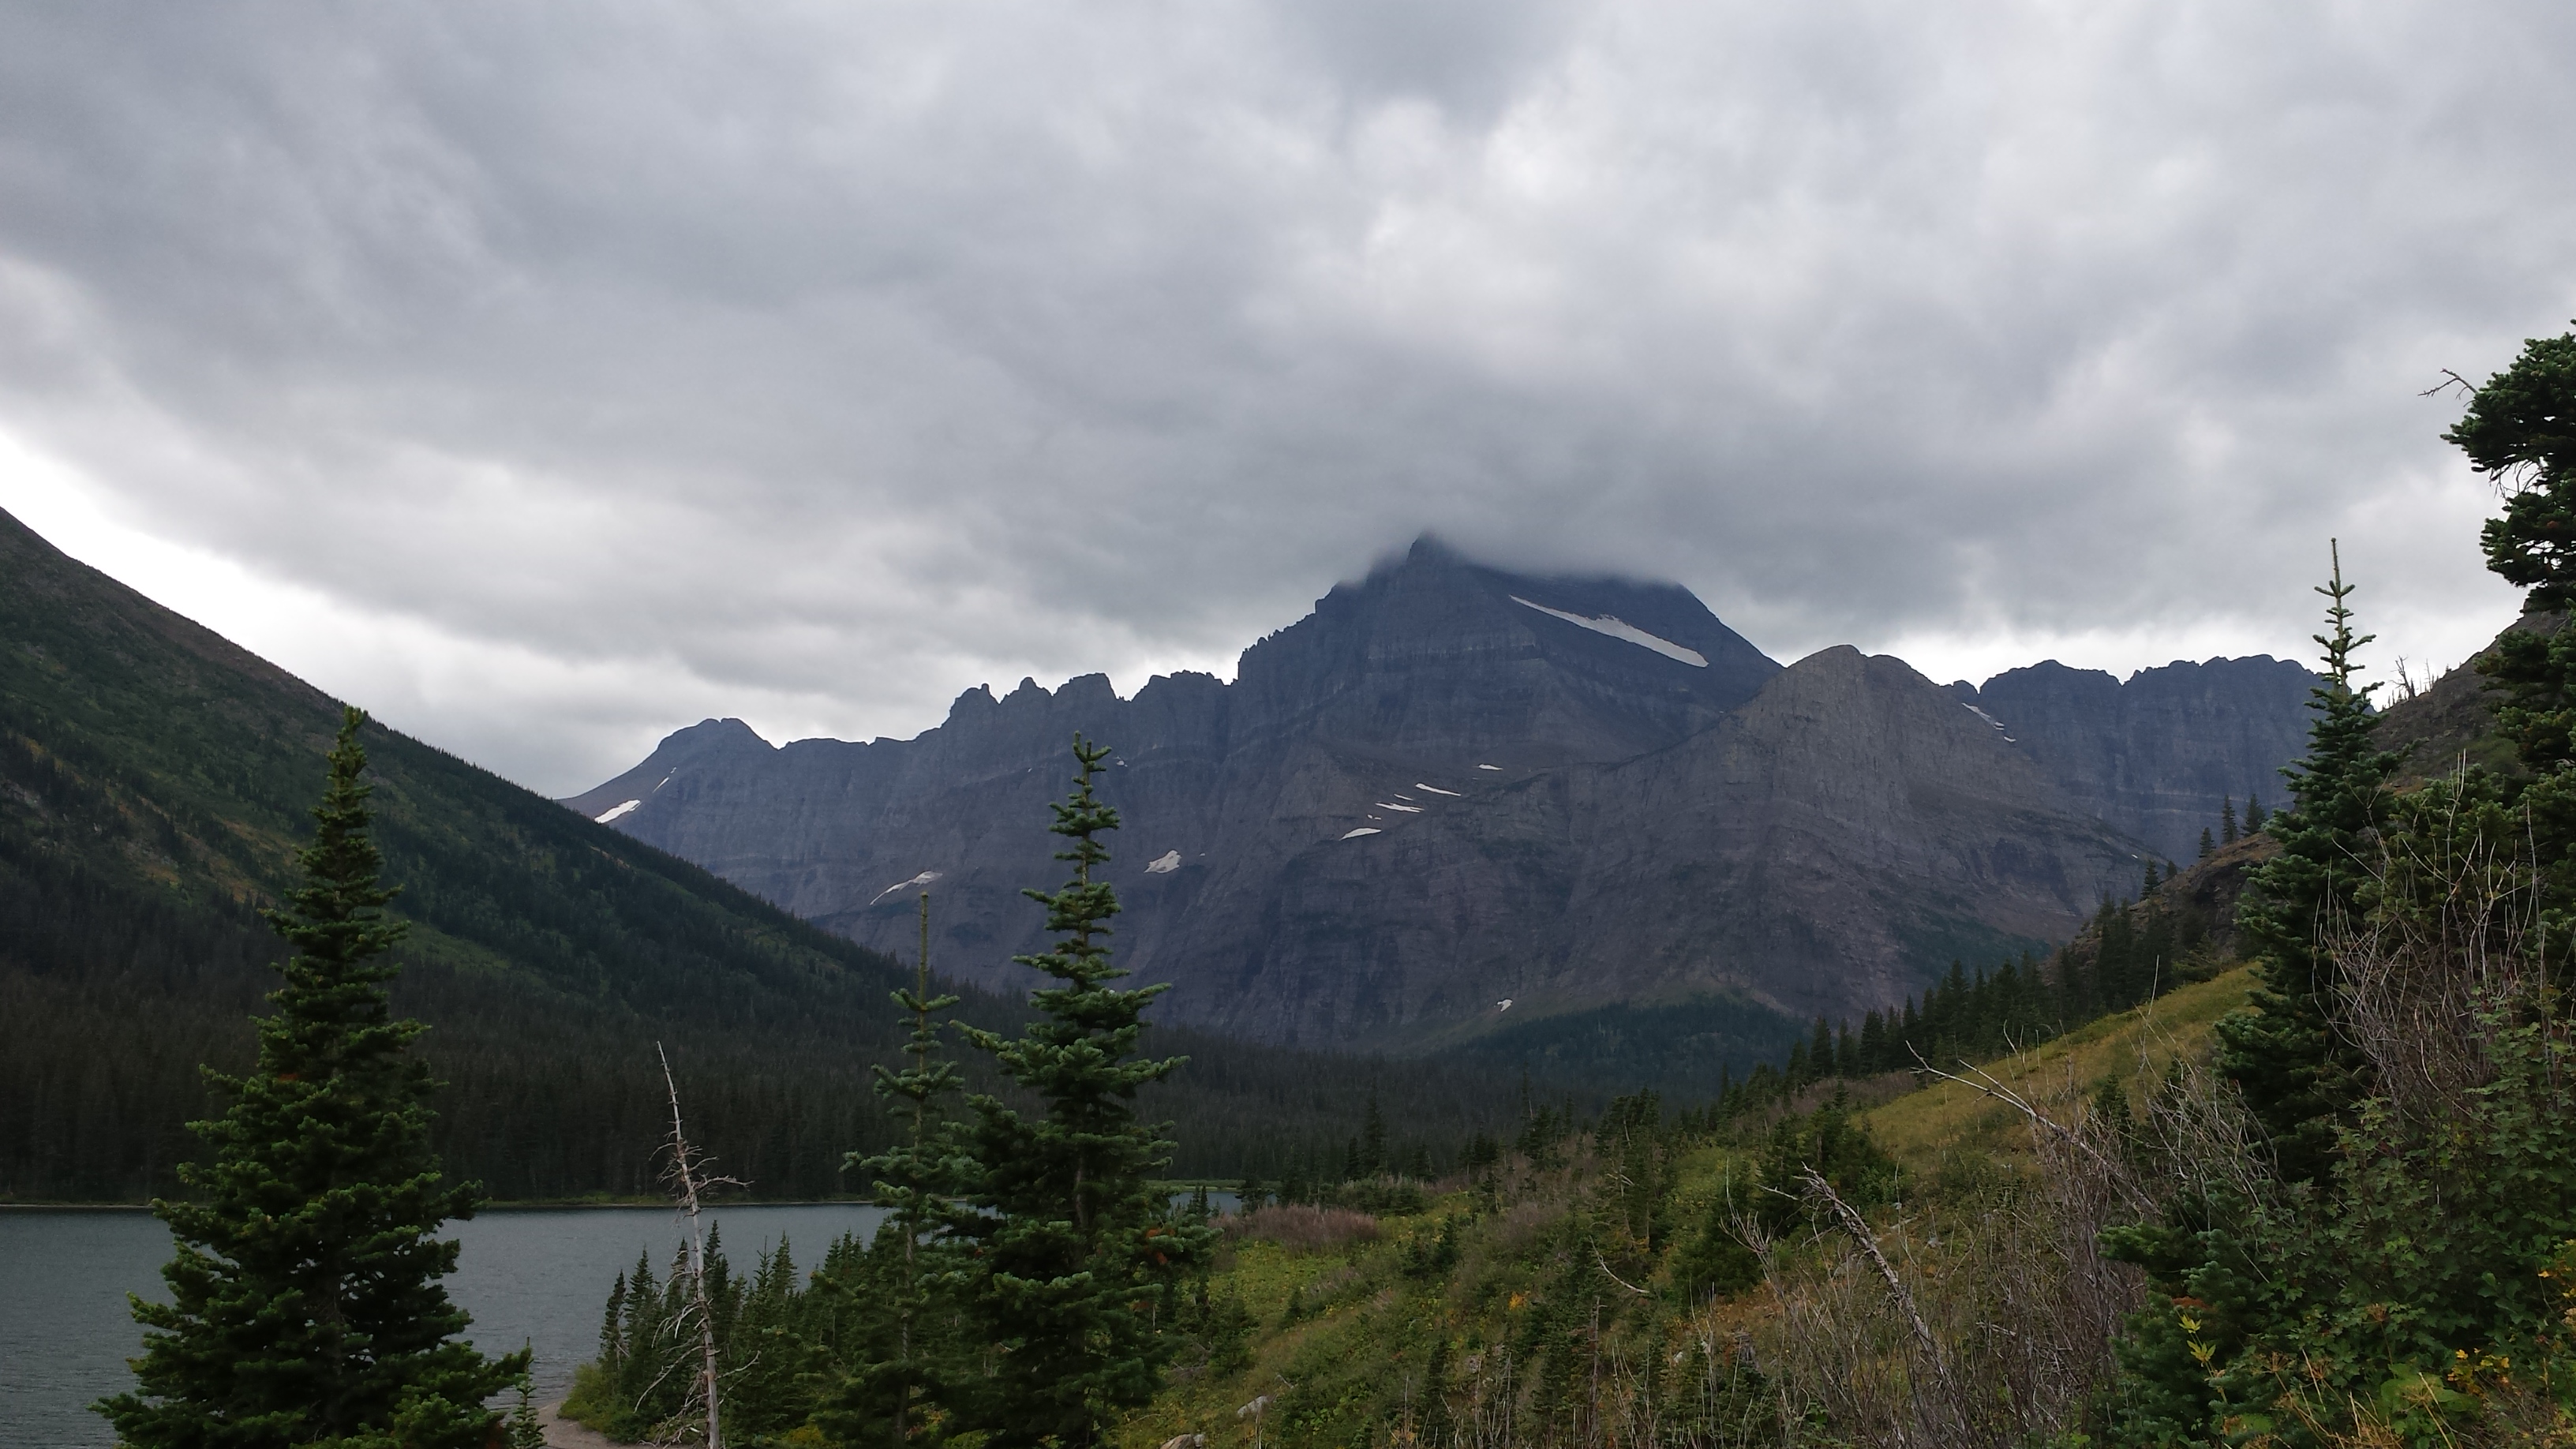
x=154 y=783
x=1452 y=787
x=2149 y=756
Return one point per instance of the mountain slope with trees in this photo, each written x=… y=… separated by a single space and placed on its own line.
x=153 y=784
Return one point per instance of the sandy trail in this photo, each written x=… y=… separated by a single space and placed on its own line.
x=565 y=1434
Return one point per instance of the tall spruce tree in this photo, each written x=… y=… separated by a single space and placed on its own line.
x=305 y=1304
x=1077 y=1258
x=902 y=1366
x=2298 y=1072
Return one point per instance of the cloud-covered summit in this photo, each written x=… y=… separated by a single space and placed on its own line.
x=628 y=364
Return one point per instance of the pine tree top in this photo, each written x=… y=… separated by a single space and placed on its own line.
x=2520 y=430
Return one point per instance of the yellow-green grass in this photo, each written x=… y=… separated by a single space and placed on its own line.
x=1949 y=1121
x=1365 y=1335
x=1331 y=1373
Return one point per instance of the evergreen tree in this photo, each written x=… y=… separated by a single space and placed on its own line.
x=1432 y=1424
x=2227 y=820
x=524 y=1431
x=2285 y=1053
x=1373 y=1141
x=1077 y=1257
x=2518 y=431
x=305 y=1303
x=2254 y=816
x=898 y=1368
x=2208 y=847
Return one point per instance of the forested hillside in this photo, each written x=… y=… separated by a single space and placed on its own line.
x=154 y=780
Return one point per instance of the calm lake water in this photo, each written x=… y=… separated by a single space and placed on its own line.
x=539 y=1276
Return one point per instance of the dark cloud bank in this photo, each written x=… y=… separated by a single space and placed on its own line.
x=814 y=363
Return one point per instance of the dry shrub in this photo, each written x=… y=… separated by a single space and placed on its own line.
x=1985 y=1321
x=1303 y=1229
x=1524 y=1223
x=2420 y=983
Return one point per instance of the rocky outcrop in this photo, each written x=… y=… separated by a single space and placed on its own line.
x=1447 y=789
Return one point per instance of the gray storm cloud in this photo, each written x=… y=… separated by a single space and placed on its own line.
x=815 y=362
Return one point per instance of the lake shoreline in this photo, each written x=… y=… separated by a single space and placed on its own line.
x=525 y=1278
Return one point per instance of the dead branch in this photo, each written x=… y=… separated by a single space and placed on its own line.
x=1852 y=1223
x=2449 y=381
x=1604 y=1265
x=1988 y=1086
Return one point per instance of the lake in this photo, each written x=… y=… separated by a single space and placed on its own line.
x=533 y=1275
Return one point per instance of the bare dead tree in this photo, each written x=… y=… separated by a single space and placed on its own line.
x=685 y=1172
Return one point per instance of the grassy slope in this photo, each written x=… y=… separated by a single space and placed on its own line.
x=1927 y=1128
x=1358 y=1356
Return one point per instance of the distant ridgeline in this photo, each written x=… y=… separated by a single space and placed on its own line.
x=1521 y=817
x=154 y=781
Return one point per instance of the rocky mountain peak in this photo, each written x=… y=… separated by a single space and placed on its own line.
x=711 y=745
x=1453 y=784
x=1433 y=651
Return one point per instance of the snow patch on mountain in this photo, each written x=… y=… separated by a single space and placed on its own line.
x=1990 y=719
x=923 y=879
x=1618 y=628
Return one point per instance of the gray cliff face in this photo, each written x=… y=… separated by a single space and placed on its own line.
x=1446 y=788
x=2155 y=757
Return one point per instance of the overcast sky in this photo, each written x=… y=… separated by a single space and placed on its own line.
x=545 y=377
